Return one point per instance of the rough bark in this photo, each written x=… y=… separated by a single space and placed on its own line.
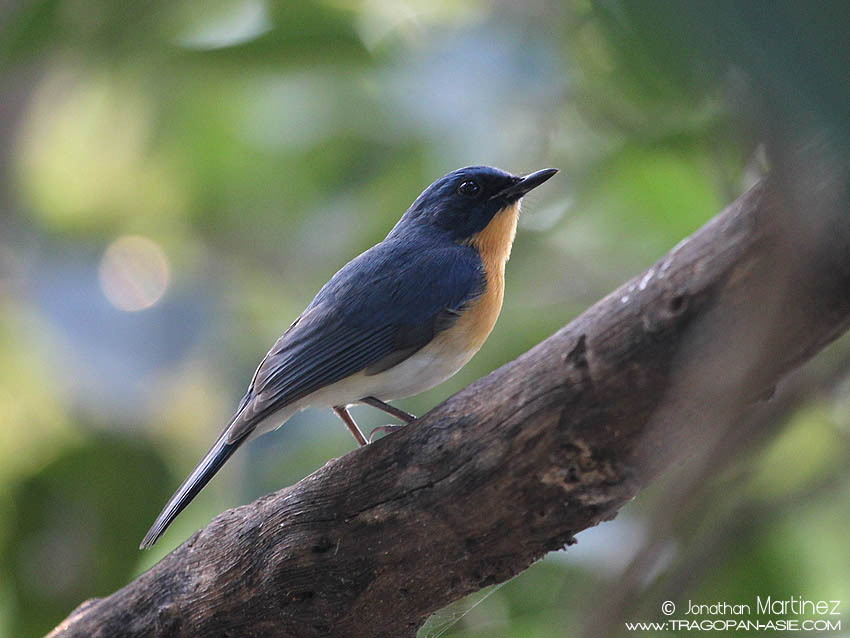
x=517 y=463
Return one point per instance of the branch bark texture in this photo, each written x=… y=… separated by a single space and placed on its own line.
x=516 y=464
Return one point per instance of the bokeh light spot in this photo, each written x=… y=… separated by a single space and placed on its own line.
x=134 y=273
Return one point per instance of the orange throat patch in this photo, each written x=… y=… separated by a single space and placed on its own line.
x=494 y=246
x=495 y=241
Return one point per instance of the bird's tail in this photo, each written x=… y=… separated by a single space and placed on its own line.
x=194 y=483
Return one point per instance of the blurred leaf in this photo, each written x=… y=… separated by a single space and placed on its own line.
x=76 y=525
x=807 y=451
x=651 y=197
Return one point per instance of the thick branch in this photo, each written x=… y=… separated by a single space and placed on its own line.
x=517 y=463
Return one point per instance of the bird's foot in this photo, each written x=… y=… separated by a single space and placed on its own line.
x=398 y=413
x=386 y=429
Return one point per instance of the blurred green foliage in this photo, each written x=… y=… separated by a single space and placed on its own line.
x=69 y=524
x=255 y=146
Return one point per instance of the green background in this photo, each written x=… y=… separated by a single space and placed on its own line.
x=249 y=148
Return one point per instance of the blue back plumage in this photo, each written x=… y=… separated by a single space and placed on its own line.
x=382 y=306
x=403 y=280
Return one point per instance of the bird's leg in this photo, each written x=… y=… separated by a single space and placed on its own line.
x=386 y=429
x=389 y=409
x=342 y=413
x=407 y=417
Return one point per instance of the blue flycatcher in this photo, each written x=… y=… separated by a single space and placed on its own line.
x=395 y=321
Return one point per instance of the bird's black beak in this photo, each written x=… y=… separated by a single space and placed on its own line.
x=525 y=184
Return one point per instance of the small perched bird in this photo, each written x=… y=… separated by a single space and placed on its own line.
x=399 y=319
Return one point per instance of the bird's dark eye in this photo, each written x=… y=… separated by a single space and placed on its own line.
x=469 y=189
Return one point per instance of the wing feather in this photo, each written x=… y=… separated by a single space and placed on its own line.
x=378 y=310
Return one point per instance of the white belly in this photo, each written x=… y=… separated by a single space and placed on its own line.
x=423 y=370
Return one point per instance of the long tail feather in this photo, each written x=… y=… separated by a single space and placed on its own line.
x=194 y=483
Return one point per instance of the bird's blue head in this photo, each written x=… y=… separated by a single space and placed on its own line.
x=464 y=201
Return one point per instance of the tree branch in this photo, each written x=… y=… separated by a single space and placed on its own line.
x=517 y=463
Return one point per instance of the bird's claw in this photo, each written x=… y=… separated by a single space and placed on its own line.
x=386 y=429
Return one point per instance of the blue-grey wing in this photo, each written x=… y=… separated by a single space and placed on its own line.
x=375 y=312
